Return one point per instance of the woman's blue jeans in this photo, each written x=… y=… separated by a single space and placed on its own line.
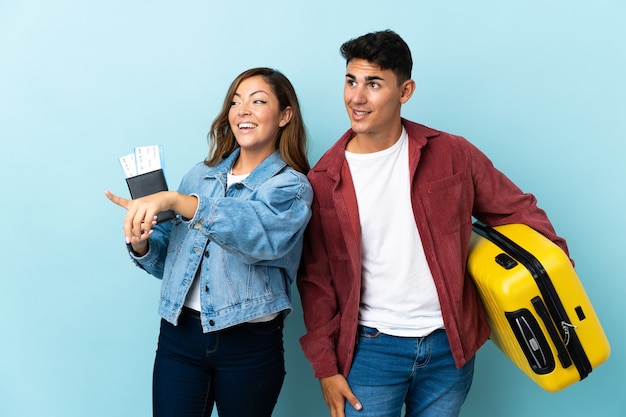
x=239 y=369
x=390 y=372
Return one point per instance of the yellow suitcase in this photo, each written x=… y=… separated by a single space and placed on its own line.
x=538 y=311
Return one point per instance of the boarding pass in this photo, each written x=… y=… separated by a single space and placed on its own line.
x=143 y=159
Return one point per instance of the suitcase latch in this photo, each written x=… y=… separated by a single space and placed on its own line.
x=505 y=261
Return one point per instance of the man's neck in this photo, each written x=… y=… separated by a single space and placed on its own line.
x=370 y=143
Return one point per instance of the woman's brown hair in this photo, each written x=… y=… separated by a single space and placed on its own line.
x=292 y=138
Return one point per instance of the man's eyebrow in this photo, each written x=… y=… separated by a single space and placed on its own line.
x=368 y=78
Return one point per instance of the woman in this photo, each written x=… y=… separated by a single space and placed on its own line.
x=227 y=261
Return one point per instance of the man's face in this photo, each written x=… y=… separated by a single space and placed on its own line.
x=373 y=99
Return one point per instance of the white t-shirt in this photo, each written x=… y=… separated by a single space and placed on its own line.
x=398 y=295
x=193 y=296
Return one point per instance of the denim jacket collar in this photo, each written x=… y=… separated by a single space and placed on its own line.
x=270 y=166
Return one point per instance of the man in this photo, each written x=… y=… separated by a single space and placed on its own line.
x=392 y=318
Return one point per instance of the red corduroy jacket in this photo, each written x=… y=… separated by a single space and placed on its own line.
x=451 y=181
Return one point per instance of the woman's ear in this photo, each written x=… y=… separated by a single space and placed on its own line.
x=285 y=117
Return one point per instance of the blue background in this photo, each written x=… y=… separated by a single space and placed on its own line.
x=540 y=86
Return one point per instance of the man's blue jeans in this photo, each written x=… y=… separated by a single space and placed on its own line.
x=239 y=369
x=388 y=372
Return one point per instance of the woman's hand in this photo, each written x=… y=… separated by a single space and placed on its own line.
x=140 y=217
x=142 y=213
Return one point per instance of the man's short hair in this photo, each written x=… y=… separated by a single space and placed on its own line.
x=385 y=49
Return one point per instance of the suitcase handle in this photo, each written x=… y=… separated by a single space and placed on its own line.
x=532 y=341
x=561 y=349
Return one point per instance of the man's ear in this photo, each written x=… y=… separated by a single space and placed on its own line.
x=407 y=89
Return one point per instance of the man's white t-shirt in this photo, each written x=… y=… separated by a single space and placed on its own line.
x=398 y=295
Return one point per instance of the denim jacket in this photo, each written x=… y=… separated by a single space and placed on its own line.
x=246 y=240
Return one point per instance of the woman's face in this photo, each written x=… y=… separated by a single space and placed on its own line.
x=255 y=116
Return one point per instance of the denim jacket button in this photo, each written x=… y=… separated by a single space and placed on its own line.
x=206 y=254
x=211 y=323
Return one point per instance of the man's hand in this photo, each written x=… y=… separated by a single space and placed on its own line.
x=336 y=391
